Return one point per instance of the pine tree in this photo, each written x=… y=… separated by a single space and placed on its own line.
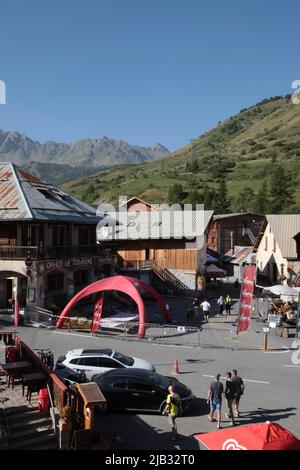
x=175 y=195
x=262 y=202
x=281 y=189
x=222 y=203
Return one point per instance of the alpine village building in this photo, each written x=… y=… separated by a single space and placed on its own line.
x=48 y=248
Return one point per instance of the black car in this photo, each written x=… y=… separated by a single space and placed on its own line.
x=140 y=389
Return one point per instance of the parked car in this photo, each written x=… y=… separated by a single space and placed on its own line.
x=140 y=390
x=98 y=361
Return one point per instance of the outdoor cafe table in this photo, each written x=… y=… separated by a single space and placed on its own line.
x=33 y=378
x=14 y=369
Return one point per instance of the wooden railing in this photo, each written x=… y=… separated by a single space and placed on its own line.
x=164 y=274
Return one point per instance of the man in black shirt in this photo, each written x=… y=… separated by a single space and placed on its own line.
x=214 y=398
x=239 y=390
x=230 y=396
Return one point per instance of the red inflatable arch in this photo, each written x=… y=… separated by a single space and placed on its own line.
x=128 y=285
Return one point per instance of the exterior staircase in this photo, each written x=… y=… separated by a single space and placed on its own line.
x=27 y=427
x=164 y=275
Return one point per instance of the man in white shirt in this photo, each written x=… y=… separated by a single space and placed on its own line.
x=206 y=308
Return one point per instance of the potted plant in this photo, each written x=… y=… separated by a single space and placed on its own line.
x=66 y=416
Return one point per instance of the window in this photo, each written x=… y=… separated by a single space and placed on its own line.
x=81 y=277
x=297 y=239
x=55 y=282
x=74 y=361
x=89 y=361
x=140 y=386
x=58 y=238
x=119 y=384
x=107 y=362
x=266 y=243
x=86 y=235
x=29 y=235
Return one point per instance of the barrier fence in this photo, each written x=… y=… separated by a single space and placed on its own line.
x=168 y=334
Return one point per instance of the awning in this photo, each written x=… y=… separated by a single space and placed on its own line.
x=214 y=271
x=282 y=290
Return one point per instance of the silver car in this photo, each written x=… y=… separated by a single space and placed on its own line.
x=97 y=361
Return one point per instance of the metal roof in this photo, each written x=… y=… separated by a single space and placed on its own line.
x=285 y=227
x=239 y=255
x=27 y=197
x=236 y=214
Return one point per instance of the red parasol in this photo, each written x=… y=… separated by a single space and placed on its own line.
x=259 y=436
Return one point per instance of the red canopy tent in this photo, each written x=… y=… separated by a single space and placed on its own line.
x=128 y=285
x=259 y=436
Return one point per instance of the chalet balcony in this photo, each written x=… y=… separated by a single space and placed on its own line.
x=53 y=252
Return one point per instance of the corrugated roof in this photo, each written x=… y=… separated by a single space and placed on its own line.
x=239 y=255
x=26 y=197
x=236 y=214
x=284 y=228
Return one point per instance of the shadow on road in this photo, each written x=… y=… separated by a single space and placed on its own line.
x=130 y=432
x=264 y=414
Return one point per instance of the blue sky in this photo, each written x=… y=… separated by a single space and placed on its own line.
x=145 y=71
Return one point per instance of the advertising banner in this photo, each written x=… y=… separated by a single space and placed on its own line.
x=246 y=298
x=97 y=313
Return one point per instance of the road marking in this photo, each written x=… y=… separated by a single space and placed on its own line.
x=75 y=334
x=289 y=365
x=278 y=352
x=245 y=380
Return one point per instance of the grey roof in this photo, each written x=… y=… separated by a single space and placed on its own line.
x=157 y=224
x=27 y=197
x=228 y=216
x=285 y=227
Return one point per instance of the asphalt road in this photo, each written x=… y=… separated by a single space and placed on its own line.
x=272 y=384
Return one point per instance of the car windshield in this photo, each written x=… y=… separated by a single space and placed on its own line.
x=126 y=360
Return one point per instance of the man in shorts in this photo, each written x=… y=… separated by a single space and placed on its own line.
x=173 y=409
x=206 y=308
x=214 y=398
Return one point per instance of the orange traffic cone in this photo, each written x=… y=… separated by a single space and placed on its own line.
x=176 y=368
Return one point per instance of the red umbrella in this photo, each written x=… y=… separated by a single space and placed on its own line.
x=260 y=436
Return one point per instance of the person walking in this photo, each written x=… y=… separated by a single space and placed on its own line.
x=221 y=303
x=230 y=396
x=228 y=304
x=239 y=388
x=206 y=308
x=173 y=409
x=196 y=307
x=214 y=398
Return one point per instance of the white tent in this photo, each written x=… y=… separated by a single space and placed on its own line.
x=283 y=290
x=215 y=271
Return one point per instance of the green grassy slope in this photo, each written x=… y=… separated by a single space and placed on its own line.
x=252 y=142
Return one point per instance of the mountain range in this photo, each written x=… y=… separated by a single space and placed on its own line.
x=79 y=157
x=244 y=149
